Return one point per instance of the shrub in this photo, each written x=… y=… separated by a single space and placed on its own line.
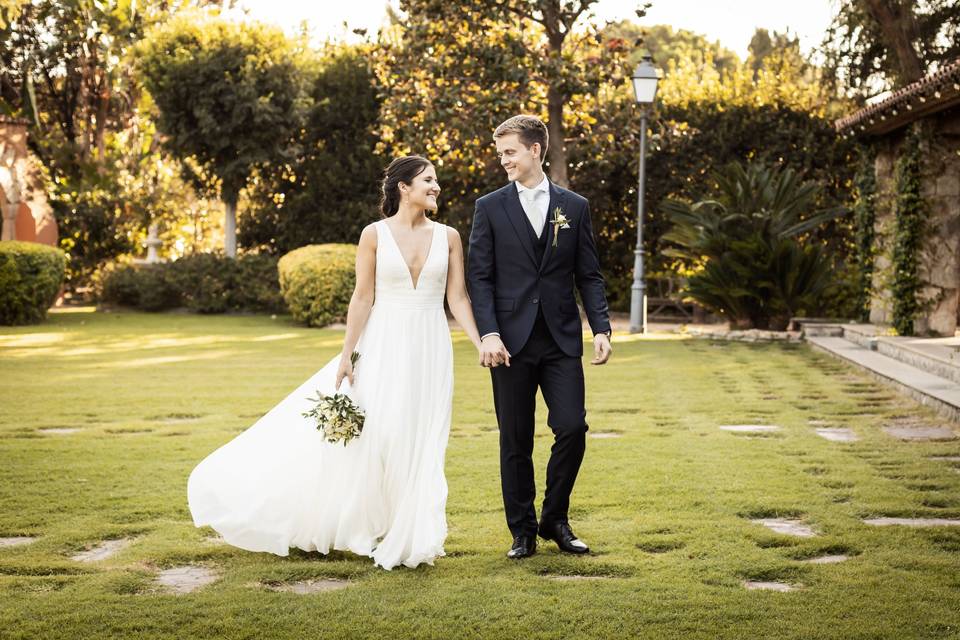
x=31 y=275
x=755 y=266
x=204 y=283
x=317 y=282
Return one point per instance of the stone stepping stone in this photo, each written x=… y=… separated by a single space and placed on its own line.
x=16 y=541
x=750 y=428
x=921 y=433
x=605 y=434
x=914 y=522
x=186 y=579
x=574 y=578
x=102 y=551
x=58 y=430
x=769 y=586
x=837 y=434
x=307 y=586
x=831 y=559
x=817 y=423
x=947 y=458
x=787 y=526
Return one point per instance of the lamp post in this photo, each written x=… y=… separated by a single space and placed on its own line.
x=644 y=79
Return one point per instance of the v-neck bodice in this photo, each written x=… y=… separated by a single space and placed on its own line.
x=394 y=282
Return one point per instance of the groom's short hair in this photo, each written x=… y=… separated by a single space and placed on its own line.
x=529 y=129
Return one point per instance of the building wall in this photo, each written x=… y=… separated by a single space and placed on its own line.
x=34 y=216
x=940 y=257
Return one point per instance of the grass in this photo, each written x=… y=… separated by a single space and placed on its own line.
x=666 y=506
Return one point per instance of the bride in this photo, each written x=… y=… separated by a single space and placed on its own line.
x=279 y=484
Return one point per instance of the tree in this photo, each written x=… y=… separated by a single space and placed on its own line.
x=231 y=98
x=669 y=47
x=329 y=192
x=882 y=44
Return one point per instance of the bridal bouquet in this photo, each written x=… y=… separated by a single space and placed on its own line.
x=337 y=416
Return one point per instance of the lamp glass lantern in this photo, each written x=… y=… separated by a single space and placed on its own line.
x=645 y=81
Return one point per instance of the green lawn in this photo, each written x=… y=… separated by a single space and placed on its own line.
x=666 y=506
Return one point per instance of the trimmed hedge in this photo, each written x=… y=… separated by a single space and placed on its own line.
x=317 y=282
x=31 y=275
x=204 y=283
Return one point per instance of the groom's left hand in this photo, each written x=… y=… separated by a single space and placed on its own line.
x=601 y=349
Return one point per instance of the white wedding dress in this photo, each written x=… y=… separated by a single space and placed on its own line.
x=279 y=484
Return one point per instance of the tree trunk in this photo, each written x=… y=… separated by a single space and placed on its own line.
x=230 y=226
x=898 y=28
x=557 y=150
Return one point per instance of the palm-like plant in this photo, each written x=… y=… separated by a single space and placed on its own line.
x=755 y=269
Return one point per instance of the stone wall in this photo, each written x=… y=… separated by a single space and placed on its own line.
x=940 y=258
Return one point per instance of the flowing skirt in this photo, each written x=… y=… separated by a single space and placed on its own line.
x=279 y=484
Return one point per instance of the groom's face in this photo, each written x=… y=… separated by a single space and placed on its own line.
x=519 y=161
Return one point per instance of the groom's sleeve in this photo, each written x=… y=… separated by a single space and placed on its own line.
x=480 y=272
x=588 y=277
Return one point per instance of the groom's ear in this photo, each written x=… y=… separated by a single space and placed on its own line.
x=539 y=152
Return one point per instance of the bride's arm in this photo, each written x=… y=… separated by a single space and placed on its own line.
x=362 y=299
x=457 y=297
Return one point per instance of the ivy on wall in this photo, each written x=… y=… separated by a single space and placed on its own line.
x=865 y=216
x=910 y=215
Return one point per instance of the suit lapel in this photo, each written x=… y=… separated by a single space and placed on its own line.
x=556 y=200
x=517 y=218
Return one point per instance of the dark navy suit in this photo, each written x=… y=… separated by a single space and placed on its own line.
x=522 y=287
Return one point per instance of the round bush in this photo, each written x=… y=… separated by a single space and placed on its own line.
x=31 y=275
x=149 y=287
x=317 y=282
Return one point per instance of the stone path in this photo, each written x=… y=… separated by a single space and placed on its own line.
x=837 y=434
x=16 y=541
x=307 y=586
x=914 y=522
x=832 y=559
x=102 y=551
x=750 y=428
x=787 y=526
x=921 y=433
x=186 y=579
x=604 y=434
x=58 y=430
x=770 y=586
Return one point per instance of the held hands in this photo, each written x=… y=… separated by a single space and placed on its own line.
x=345 y=370
x=493 y=353
x=601 y=349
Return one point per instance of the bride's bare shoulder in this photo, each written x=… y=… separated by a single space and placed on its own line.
x=368 y=237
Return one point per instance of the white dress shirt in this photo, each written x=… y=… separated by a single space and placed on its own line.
x=536 y=204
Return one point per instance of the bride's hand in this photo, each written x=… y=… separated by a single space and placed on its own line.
x=345 y=370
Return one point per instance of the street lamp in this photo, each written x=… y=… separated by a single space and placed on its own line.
x=644 y=79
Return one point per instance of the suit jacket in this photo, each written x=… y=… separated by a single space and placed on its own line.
x=507 y=284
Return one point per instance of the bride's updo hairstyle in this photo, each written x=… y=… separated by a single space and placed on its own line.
x=403 y=170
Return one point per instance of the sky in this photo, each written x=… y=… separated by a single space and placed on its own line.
x=732 y=22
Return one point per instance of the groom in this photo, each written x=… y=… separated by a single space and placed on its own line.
x=531 y=242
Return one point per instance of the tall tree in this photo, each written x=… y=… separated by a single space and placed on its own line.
x=882 y=44
x=536 y=55
x=231 y=98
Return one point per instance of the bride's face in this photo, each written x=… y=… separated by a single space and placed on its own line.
x=519 y=161
x=423 y=191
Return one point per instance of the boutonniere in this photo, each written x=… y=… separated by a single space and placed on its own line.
x=559 y=222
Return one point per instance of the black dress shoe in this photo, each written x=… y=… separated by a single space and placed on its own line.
x=561 y=534
x=523 y=547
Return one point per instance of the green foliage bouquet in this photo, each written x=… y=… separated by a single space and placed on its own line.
x=337 y=415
